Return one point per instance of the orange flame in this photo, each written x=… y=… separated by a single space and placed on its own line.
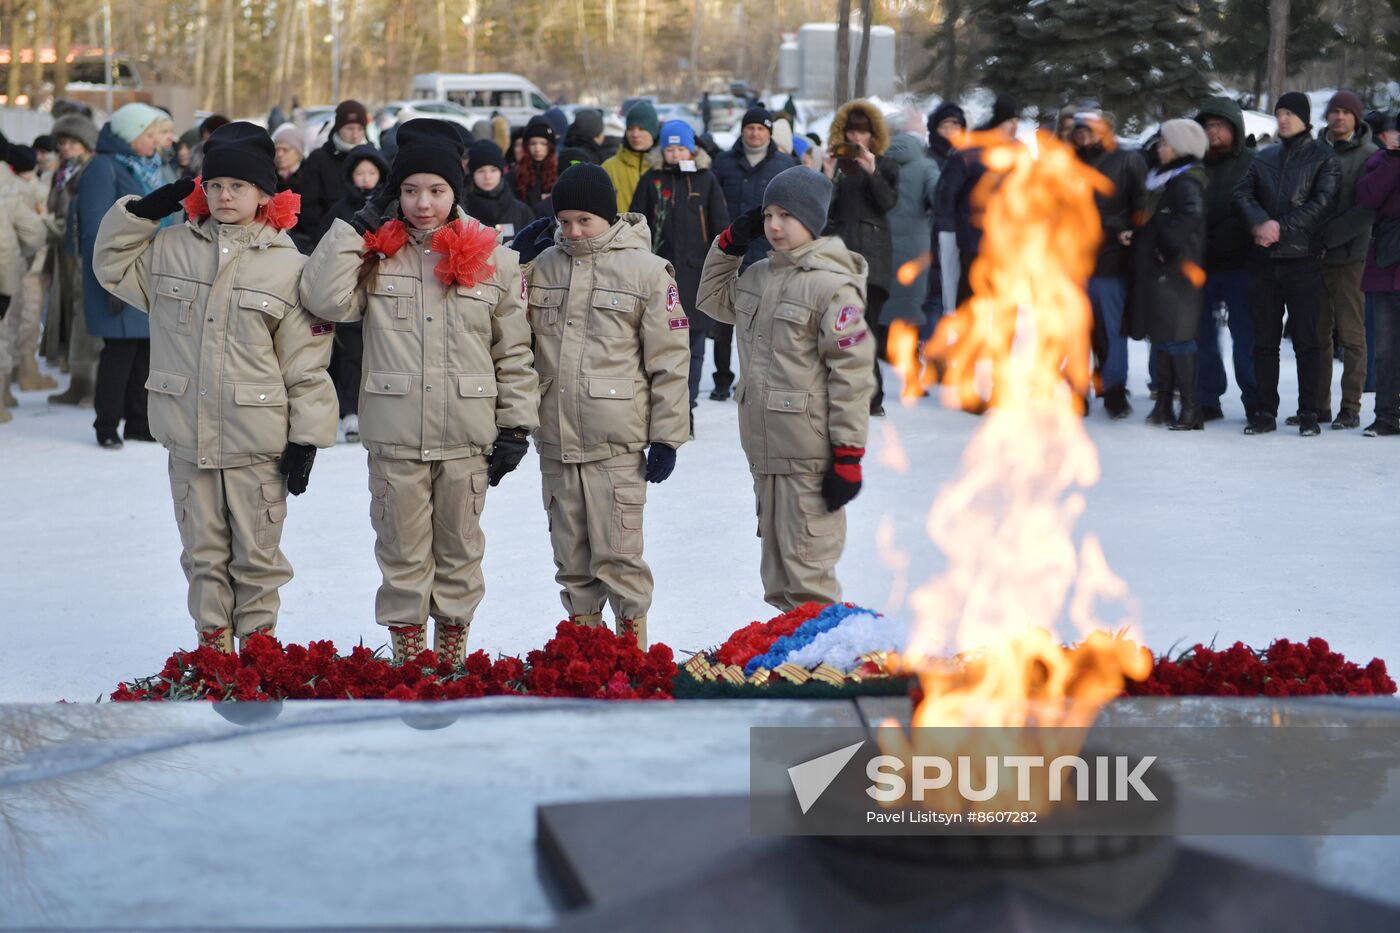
x=983 y=645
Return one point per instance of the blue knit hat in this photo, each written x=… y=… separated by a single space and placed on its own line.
x=677 y=133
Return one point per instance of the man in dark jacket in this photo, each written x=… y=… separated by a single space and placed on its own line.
x=945 y=124
x=1286 y=195
x=323 y=172
x=1345 y=236
x=1227 y=244
x=865 y=189
x=1094 y=142
x=585 y=135
x=743 y=174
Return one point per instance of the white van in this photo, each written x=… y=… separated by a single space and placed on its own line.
x=514 y=97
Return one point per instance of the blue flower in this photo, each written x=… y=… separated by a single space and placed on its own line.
x=830 y=617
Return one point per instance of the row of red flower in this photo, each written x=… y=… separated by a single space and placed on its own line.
x=577 y=662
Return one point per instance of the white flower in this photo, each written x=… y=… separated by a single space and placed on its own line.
x=859 y=633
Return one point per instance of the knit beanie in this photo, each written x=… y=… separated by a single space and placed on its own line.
x=588 y=124
x=945 y=111
x=21 y=159
x=1296 y=103
x=347 y=112
x=131 y=120
x=429 y=146
x=677 y=133
x=485 y=153
x=539 y=128
x=241 y=150
x=43 y=143
x=1187 y=137
x=291 y=136
x=1003 y=108
x=76 y=126
x=803 y=193
x=1346 y=100
x=757 y=115
x=1380 y=122
x=585 y=187
x=644 y=115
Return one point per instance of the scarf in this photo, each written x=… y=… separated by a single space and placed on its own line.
x=755 y=156
x=147 y=171
x=1158 y=178
x=342 y=146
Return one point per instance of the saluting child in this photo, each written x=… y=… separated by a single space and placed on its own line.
x=449 y=394
x=238 y=388
x=804 y=400
x=612 y=350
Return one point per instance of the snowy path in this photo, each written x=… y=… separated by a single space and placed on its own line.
x=1218 y=535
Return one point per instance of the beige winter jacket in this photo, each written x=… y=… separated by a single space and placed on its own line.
x=444 y=367
x=612 y=346
x=238 y=367
x=22 y=232
x=806 y=353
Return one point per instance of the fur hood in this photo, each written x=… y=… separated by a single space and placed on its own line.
x=879 y=131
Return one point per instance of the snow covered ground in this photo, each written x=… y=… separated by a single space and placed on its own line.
x=1220 y=536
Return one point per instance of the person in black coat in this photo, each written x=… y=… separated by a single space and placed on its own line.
x=323 y=173
x=683 y=204
x=945 y=125
x=490 y=200
x=1167 y=259
x=866 y=188
x=535 y=176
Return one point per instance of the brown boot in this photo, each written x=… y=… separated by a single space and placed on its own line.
x=79 y=388
x=409 y=641
x=220 y=639
x=590 y=619
x=450 y=642
x=5 y=416
x=7 y=398
x=30 y=379
x=637 y=628
x=269 y=630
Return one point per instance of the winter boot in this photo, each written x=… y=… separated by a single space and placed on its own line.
x=1183 y=367
x=1115 y=402
x=1162 y=411
x=408 y=641
x=450 y=642
x=220 y=639
x=5 y=416
x=30 y=379
x=590 y=619
x=1347 y=418
x=7 y=398
x=80 y=389
x=637 y=628
x=1307 y=424
x=1261 y=423
x=1379 y=428
x=350 y=424
x=270 y=630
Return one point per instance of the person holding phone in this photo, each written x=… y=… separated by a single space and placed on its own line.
x=866 y=188
x=490 y=199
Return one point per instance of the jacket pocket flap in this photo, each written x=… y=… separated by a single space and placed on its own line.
x=266 y=302
x=168 y=383
x=546 y=297
x=476 y=386
x=483 y=291
x=244 y=394
x=611 y=388
x=794 y=313
x=746 y=302
x=787 y=401
x=630 y=495
x=611 y=300
x=393 y=286
x=178 y=289
x=388 y=383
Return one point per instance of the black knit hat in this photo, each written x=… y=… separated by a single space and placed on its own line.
x=44 y=142
x=539 y=128
x=1296 y=103
x=585 y=187
x=430 y=146
x=21 y=159
x=1004 y=108
x=241 y=150
x=485 y=153
x=757 y=115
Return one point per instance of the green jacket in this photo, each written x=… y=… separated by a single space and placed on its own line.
x=626 y=170
x=1347 y=232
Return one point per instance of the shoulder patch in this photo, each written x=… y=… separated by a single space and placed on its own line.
x=680 y=323
x=847 y=316
x=852 y=339
x=524 y=286
x=673 y=297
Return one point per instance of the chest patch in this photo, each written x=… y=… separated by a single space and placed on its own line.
x=847 y=316
x=673 y=297
x=852 y=339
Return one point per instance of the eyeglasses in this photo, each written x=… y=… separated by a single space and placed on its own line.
x=236 y=189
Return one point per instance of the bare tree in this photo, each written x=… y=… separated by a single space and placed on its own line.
x=1278 y=49
x=863 y=58
x=843 y=51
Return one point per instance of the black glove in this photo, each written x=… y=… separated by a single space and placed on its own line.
x=843 y=479
x=163 y=201
x=511 y=444
x=370 y=217
x=744 y=230
x=661 y=460
x=296 y=466
x=4 y=306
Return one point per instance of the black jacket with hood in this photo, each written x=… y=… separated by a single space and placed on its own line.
x=1227 y=235
x=354 y=198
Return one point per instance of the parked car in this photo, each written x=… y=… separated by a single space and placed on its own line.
x=510 y=95
x=684 y=112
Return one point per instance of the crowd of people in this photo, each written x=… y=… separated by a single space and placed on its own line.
x=448 y=294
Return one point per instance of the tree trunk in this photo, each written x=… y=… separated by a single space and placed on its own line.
x=842 y=90
x=1278 y=49
x=863 y=58
x=442 y=35
x=13 y=73
x=697 y=20
x=639 y=47
x=952 y=77
x=308 y=90
x=286 y=41
x=228 y=57
x=63 y=41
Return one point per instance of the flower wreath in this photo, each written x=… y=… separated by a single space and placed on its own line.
x=280 y=212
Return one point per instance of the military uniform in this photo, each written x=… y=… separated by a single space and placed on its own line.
x=613 y=353
x=22 y=236
x=445 y=367
x=807 y=357
x=238 y=370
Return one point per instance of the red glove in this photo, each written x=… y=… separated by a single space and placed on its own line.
x=842 y=480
